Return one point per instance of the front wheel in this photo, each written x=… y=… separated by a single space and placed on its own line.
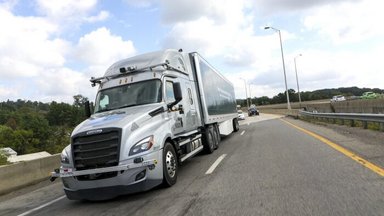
x=170 y=165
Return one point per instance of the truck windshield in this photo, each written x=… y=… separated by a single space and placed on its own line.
x=132 y=94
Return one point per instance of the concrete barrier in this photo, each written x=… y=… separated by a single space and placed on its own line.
x=25 y=173
x=373 y=106
x=293 y=112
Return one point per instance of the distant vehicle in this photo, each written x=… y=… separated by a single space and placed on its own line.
x=241 y=115
x=369 y=95
x=337 y=98
x=354 y=97
x=253 y=110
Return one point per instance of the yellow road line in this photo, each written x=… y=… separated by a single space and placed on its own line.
x=346 y=152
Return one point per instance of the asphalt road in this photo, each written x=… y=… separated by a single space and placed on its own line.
x=269 y=167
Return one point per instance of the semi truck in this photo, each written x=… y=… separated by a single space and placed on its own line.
x=151 y=113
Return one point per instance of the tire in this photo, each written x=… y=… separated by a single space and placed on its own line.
x=170 y=165
x=217 y=133
x=208 y=140
x=236 y=126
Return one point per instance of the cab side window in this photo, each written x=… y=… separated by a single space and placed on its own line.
x=170 y=97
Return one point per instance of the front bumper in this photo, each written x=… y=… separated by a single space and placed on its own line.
x=68 y=172
x=124 y=181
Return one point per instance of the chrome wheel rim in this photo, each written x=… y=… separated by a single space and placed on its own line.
x=170 y=163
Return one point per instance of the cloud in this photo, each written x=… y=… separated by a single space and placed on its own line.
x=346 y=22
x=6 y=93
x=207 y=27
x=226 y=32
x=65 y=9
x=71 y=14
x=61 y=84
x=103 y=15
x=34 y=59
x=27 y=45
x=140 y=3
x=184 y=10
x=100 y=47
x=292 y=6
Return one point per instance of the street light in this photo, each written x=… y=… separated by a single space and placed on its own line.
x=250 y=93
x=297 y=79
x=246 y=94
x=282 y=57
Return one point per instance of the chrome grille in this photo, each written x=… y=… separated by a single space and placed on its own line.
x=96 y=150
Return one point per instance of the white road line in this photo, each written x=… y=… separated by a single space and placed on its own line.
x=214 y=165
x=242 y=133
x=42 y=206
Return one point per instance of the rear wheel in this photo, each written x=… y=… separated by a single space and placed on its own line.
x=236 y=126
x=170 y=165
x=209 y=140
x=217 y=136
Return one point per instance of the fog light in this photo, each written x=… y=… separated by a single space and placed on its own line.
x=141 y=175
x=138 y=160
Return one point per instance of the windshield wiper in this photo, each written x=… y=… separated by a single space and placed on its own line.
x=131 y=105
x=121 y=107
x=103 y=110
x=125 y=106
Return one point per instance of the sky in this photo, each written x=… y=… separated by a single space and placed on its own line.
x=49 y=49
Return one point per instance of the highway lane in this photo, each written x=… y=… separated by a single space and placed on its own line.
x=269 y=168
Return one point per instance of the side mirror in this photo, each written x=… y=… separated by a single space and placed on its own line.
x=177 y=93
x=87 y=109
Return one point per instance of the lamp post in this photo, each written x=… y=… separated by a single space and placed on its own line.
x=250 y=93
x=246 y=94
x=297 y=79
x=282 y=57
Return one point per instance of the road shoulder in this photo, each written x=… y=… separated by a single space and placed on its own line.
x=365 y=143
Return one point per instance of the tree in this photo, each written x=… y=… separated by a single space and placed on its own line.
x=264 y=100
x=6 y=136
x=3 y=158
x=59 y=114
x=79 y=100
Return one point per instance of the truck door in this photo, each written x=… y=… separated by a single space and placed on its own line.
x=176 y=112
x=191 y=115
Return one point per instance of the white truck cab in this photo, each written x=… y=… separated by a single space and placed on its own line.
x=151 y=113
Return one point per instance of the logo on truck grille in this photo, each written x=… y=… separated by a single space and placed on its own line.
x=92 y=132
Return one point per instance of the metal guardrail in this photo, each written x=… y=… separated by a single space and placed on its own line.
x=348 y=116
x=363 y=117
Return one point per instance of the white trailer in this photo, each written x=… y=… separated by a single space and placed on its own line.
x=152 y=112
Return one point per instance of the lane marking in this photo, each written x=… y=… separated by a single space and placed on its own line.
x=242 y=133
x=375 y=168
x=214 y=165
x=42 y=206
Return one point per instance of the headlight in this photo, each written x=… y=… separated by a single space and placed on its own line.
x=142 y=146
x=64 y=157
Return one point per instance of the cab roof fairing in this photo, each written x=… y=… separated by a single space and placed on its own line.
x=155 y=61
x=150 y=59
